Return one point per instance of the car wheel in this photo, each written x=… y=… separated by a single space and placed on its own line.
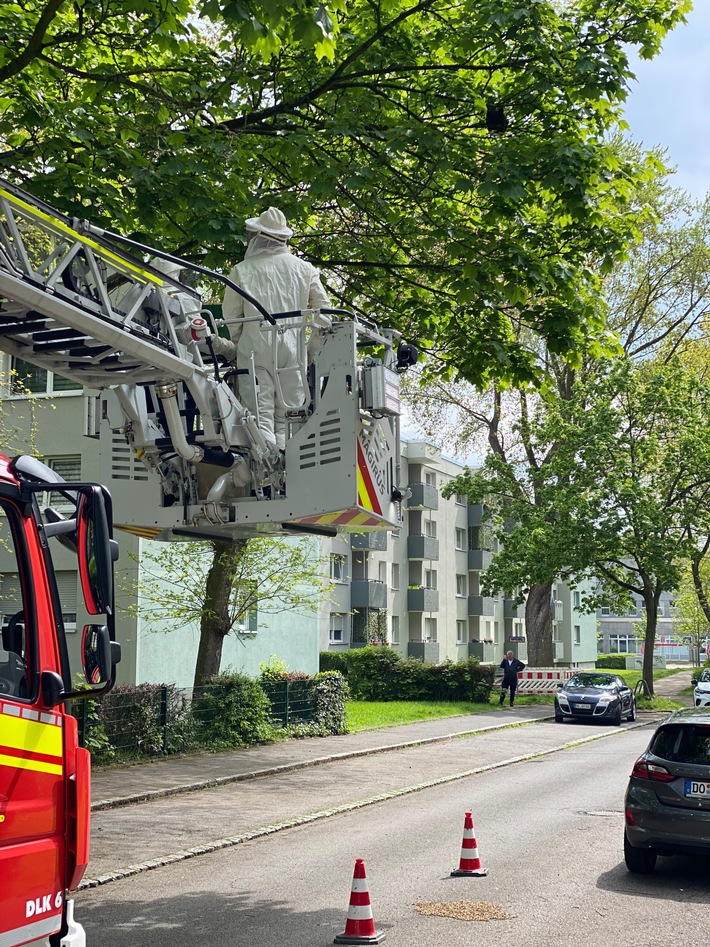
x=632 y=712
x=640 y=861
x=559 y=718
x=616 y=719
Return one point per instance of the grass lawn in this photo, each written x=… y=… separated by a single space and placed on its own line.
x=367 y=715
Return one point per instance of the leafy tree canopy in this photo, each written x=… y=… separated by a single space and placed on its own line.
x=447 y=166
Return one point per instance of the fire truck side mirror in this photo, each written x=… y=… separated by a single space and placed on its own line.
x=95 y=551
x=52 y=688
x=98 y=654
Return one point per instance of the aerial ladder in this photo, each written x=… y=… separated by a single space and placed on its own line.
x=75 y=301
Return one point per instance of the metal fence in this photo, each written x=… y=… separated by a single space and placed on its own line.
x=159 y=719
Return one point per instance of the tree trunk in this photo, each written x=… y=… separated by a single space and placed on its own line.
x=651 y=602
x=215 y=623
x=538 y=625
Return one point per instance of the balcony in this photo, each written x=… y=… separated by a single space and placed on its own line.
x=424 y=496
x=424 y=650
x=422 y=600
x=476 y=514
x=558 y=611
x=511 y=609
x=368 y=594
x=481 y=605
x=479 y=559
x=483 y=650
x=422 y=547
x=375 y=540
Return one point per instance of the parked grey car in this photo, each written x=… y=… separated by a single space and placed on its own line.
x=595 y=695
x=667 y=806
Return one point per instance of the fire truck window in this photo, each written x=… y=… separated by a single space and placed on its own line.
x=13 y=639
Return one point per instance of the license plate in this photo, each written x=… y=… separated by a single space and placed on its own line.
x=582 y=706
x=695 y=790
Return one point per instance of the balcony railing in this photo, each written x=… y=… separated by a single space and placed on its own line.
x=424 y=650
x=511 y=609
x=422 y=600
x=481 y=605
x=375 y=540
x=479 y=559
x=422 y=547
x=368 y=594
x=476 y=514
x=424 y=496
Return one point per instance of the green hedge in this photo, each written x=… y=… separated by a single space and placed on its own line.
x=377 y=673
x=615 y=662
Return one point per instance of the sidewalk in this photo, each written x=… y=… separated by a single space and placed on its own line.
x=123 y=785
x=131 y=783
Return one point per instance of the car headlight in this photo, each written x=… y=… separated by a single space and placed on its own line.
x=562 y=701
x=605 y=700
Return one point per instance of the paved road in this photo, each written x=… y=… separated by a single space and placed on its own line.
x=549 y=830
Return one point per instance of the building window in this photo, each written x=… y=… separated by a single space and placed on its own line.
x=28 y=379
x=460 y=538
x=382 y=572
x=394 y=630
x=577 y=599
x=430 y=629
x=488 y=634
x=337 y=628
x=605 y=610
x=460 y=584
x=461 y=632
x=430 y=577
x=495 y=631
x=66 y=586
x=577 y=634
x=337 y=567
x=430 y=528
x=430 y=478
x=461 y=500
x=69 y=469
x=395 y=575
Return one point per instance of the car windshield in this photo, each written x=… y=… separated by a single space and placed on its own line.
x=705 y=676
x=590 y=680
x=682 y=743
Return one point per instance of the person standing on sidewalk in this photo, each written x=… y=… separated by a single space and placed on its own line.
x=510 y=666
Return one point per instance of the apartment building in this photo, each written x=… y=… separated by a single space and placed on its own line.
x=418 y=590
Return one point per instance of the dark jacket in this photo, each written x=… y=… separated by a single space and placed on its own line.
x=510 y=671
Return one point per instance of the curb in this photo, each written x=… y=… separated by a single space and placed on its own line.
x=229 y=842
x=149 y=795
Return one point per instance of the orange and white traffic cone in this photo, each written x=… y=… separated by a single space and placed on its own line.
x=360 y=925
x=470 y=863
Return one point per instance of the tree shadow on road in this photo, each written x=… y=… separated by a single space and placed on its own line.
x=211 y=918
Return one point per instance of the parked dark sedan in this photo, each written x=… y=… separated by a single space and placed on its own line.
x=593 y=695
x=667 y=805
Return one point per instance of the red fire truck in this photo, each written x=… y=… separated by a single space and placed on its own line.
x=44 y=774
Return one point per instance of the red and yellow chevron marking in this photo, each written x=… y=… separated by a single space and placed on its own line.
x=30 y=739
x=353 y=518
x=144 y=532
x=366 y=492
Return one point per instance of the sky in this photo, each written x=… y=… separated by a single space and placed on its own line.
x=669 y=102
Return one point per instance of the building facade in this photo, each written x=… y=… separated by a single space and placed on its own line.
x=418 y=590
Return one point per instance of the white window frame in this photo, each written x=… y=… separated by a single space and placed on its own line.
x=47 y=392
x=577 y=598
x=337 y=625
x=461 y=631
x=430 y=478
x=395 y=576
x=60 y=463
x=461 y=585
x=430 y=629
x=577 y=634
x=430 y=528
x=394 y=629
x=430 y=579
x=338 y=567
x=461 y=538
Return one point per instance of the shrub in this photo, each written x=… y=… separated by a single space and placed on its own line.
x=232 y=710
x=370 y=672
x=334 y=661
x=616 y=662
x=330 y=691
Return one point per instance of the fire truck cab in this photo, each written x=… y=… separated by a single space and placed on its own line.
x=44 y=774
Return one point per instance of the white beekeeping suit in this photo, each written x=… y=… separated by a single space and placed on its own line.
x=281 y=282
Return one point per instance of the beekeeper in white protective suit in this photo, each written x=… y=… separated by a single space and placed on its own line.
x=281 y=282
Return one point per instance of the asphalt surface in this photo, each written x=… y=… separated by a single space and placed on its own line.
x=128 y=784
